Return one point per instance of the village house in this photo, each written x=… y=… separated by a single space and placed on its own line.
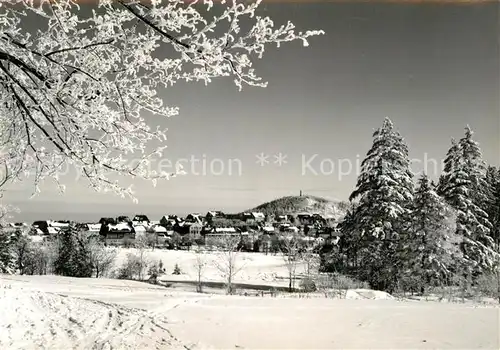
x=106 y=221
x=40 y=227
x=322 y=231
x=305 y=218
x=168 y=221
x=48 y=227
x=117 y=233
x=123 y=218
x=140 y=219
x=253 y=217
x=89 y=227
x=268 y=229
x=182 y=227
x=283 y=218
x=245 y=216
x=288 y=228
x=195 y=230
x=159 y=232
x=214 y=214
x=258 y=217
x=194 y=218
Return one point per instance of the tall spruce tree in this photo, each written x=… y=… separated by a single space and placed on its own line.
x=452 y=158
x=384 y=192
x=477 y=168
x=493 y=202
x=493 y=205
x=427 y=252
x=466 y=190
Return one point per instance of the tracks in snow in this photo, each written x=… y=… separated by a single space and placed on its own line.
x=38 y=320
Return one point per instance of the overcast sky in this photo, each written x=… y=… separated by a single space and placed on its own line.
x=432 y=69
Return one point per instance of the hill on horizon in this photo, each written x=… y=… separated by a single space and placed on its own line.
x=304 y=204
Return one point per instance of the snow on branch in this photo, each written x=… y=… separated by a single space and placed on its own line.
x=77 y=90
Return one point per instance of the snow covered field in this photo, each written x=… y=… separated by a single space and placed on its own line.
x=287 y=323
x=50 y=312
x=256 y=268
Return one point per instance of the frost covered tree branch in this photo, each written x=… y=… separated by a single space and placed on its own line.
x=78 y=90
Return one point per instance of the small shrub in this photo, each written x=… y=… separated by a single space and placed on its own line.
x=308 y=285
x=346 y=282
x=488 y=285
x=199 y=241
x=153 y=270
x=123 y=274
x=337 y=284
x=132 y=268
x=177 y=270
x=127 y=243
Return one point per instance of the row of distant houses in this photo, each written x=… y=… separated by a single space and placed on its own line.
x=214 y=223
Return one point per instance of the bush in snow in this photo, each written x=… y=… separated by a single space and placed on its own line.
x=337 y=284
x=177 y=270
x=308 y=285
x=131 y=268
x=134 y=267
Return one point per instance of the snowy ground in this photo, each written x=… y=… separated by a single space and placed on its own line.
x=49 y=312
x=286 y=323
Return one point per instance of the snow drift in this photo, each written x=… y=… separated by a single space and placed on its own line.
x=358 y=294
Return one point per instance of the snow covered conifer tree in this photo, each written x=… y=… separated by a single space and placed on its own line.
x=73 y=259
x=384 y=192
x=493 y=201
x=429 y=249
x=450 y=161
x=7 y=263
x=477 y=168
x=466 y=191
